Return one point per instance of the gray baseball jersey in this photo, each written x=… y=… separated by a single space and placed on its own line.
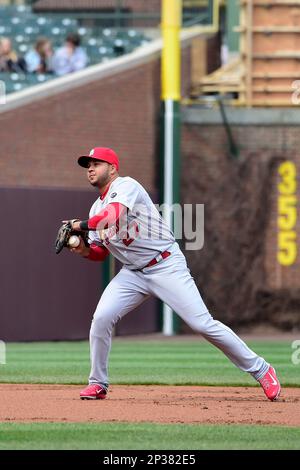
x=146 y=234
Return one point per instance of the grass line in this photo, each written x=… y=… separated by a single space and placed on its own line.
x=111 y=436
x=173 y=362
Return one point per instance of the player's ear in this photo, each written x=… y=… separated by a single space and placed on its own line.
x=113 y=169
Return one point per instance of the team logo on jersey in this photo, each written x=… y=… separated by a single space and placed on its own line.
x=92 y=152
x=113 y=194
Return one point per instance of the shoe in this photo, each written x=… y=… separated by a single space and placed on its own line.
x=93 y=392
x=270 y=384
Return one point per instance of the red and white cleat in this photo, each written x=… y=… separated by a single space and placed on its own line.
x=270 y=384
x=93 y=392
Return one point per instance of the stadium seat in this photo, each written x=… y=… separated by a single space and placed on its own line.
x=5 y=30
x=22 y=49
x=23 y=27
x=69 y=23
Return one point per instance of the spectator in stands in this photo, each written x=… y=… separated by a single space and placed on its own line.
x=9 y=61
x=39 y=59
x=71 y=57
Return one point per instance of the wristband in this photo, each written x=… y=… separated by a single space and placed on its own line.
x=84 y=225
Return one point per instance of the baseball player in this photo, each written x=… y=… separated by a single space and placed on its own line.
x=125 y=222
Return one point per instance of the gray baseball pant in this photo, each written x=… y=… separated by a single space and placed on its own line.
x=169 y=280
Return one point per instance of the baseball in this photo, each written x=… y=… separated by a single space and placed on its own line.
x=74 y=241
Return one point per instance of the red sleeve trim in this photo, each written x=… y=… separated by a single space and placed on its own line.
x=107 y=217
x=97 y=253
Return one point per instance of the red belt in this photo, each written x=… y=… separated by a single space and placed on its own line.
x=158 y=258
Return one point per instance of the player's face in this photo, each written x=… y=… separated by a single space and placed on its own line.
x=99 y=173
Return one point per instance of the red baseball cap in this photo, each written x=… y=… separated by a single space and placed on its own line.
x=100 y=153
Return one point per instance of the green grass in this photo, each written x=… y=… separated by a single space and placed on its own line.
x=145 y=436
x=175 y=361
x=169 y=361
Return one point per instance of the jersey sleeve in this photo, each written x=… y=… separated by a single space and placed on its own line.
x=92 y=234
x=126 y=193
x=93 y=238
x=107 y=216
x=97 y=253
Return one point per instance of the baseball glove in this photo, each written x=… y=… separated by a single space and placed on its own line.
x=64 y=234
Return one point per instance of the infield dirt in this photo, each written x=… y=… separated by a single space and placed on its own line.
x=158 y=404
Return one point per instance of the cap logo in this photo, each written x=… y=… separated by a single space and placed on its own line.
x=92 y=152
x=113 y=195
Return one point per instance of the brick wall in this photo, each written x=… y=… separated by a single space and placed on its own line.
x=40 y=142
x=119 y=112
x=206 y=163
